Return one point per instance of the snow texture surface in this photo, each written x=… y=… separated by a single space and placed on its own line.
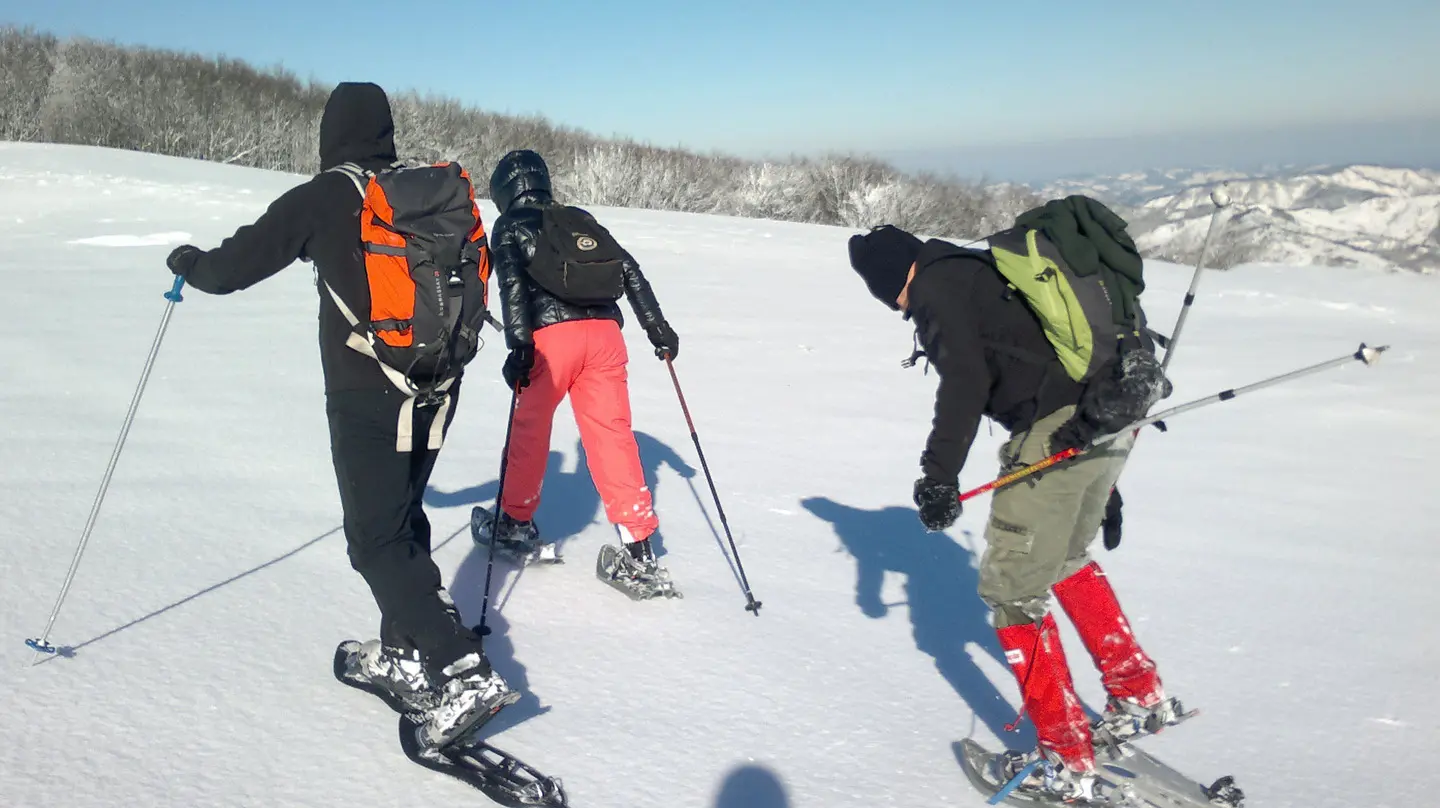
x=1279 y=558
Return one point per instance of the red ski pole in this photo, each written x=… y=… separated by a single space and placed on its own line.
x=1058 y=457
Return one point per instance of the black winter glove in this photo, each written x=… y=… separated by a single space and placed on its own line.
x=1075 y=433
x=183 y=258
x=1111 y=525
x=939 y=503
x=518 y=365
x=1114 y=401
x=665 y=340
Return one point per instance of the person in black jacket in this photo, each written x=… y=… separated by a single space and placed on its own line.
x=994 y=361
x=425 y=656
x=559 y=348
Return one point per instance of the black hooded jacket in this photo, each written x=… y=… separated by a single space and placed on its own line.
x=520 y=189
x=317 y=221
x=989 y=350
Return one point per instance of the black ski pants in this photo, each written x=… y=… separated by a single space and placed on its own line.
x=381 y=492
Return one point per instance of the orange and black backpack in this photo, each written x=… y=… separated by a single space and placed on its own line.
x=428 y=269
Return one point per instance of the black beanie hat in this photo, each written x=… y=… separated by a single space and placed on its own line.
x=883 y=258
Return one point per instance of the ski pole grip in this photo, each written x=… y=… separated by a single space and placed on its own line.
x=174 y=294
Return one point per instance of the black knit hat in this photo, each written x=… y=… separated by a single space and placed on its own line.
x=883 y=258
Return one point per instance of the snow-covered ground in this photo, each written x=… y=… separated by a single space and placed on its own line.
x=1279 y=557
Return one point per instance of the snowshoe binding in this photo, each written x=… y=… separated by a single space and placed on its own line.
x=1124 y=721
x=635 y=571
x=464 y=704
x=395 y=675
x=1037 y=778
x=518 y=542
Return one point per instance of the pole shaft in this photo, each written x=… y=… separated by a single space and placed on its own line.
x=173 y=297
x=752 y=604
x=1365 y=355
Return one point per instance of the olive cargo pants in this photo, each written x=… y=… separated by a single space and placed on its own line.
x=1041 y=528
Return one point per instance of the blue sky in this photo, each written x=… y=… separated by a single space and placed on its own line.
x=967 y=85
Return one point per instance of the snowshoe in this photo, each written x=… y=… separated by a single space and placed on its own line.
x=1139 y=780
x=517 y=542
x=495 y=773
x=635 y=571
x=1037 y=778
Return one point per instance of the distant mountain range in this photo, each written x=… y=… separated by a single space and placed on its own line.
x=1359 y=215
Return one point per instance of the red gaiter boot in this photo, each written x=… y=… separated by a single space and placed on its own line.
x=1038 y=661
x=1125 y=670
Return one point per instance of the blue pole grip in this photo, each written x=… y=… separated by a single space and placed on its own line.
x=174 y=294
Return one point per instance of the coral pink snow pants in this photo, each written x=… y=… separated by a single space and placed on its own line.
x=587 y=360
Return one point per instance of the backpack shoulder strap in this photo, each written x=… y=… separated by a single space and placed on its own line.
x=358 y=176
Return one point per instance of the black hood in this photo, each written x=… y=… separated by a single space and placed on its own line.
x=356 y=126
x=520 y=177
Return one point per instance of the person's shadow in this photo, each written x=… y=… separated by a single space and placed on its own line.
x=940 y=586
x=569 y=504
x=752 y=786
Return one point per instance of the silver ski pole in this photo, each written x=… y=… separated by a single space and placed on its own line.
x=1365 y=354
x=1221 y=198
x=41 y=644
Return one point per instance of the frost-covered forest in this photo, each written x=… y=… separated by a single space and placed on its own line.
x=167 y=102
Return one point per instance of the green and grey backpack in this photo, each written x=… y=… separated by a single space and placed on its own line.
x=1089 y=312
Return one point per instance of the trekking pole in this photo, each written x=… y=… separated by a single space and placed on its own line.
x=1221 y=198
x=41 y=644
x=1365 y=354
x=495 y=520
x=752 y=604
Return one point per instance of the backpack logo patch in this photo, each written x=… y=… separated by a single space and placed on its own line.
x=586 y=243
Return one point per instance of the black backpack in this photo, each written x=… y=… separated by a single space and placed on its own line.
x=427 y=265
x=576 y=259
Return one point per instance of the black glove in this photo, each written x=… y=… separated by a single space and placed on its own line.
x=665 y=340
x=183 y=258
x=1113 y=401
x=518 y=365
x=939 y=503
x=1111 y=525
x=1075 y=433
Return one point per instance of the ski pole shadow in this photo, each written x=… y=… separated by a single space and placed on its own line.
x=941 y=580
x=569 y=504
x=70 y=651
x=752 y=786
x=468 y=592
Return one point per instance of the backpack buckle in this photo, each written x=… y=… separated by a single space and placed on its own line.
x=431 y=398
